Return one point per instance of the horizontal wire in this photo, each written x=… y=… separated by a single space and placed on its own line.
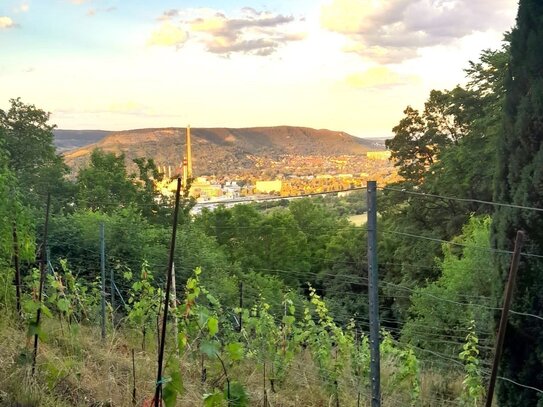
x=539 y=256
x=452 y=198
x=521 y=385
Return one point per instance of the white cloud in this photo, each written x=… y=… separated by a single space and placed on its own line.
x=249 y=32
x=168 y=34
x=6 y=22
x=393 y=30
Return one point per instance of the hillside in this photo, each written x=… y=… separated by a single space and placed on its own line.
x=217 y=150
x=66 y=140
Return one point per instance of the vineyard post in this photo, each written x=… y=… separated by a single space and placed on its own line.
x=158 y=389
x=103 y=278
x=17 y=269
x=373 y=295
x=42 y=281
x=519 y=241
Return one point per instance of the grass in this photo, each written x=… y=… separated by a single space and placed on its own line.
x=76 y=368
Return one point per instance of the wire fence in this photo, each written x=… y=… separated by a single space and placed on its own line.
x=435 y=335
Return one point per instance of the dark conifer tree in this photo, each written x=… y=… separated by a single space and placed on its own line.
x=519 y=180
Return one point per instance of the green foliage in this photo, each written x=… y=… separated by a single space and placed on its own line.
x=27 y=138
x=173 y=388
x=464 y=288
x=519 y=181
x=105 y=184
x=213 y=399
x=144 y=301
x=329 y=345
x=408 y=368
x=238 y=396
x=472 y=386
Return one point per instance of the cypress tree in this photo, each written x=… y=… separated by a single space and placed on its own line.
x=519 y=180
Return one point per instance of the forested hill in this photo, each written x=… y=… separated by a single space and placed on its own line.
x=215 y=149
x=66 y=140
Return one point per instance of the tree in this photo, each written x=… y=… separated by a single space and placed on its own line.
x=105 y=184
x=519 y=180
x=14 y=215
x=461 y=294
x=466 y=122
x=27 y=137
x=420 y=138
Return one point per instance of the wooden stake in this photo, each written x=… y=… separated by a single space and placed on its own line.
x=519 y=241
x=42 y=282
x=158 y=390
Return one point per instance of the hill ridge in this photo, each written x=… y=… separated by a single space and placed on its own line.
x=220 y=149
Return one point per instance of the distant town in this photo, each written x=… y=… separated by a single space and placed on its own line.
x=288 y=176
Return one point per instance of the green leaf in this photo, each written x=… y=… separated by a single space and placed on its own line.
x=213 y=399
x=238 y=396
x=172 y=389
x=235 y=350
x=63 y=305
x=210 y=348
x=213 y=300
x=46 y=311
x=213 y=326
x=31 y=306
x=35 y=329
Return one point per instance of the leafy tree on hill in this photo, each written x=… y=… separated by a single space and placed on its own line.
x=104 y=184
x=27 y=138
x=463 y=125
x=519 y=180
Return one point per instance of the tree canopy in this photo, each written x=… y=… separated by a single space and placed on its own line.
x=519 y=180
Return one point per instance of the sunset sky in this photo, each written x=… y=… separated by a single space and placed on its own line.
x=350 y=65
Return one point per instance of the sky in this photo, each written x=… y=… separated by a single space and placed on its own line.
x=346 y=65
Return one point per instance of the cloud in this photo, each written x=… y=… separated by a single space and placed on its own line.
x=169 y=14
x=79 y=2
x=391 y=31
x=6 y=22
x=378 y=77
x=168 y=34
x=250 y=32
x=93 y=11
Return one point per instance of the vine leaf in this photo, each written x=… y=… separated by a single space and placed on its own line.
x=210 y=348
x=172 y=389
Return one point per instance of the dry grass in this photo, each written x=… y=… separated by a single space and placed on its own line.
x=75 y=368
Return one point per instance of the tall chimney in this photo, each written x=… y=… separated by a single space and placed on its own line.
x=185 y=173
x=189 y=154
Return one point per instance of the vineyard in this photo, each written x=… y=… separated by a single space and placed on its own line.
x=218 y=356
x=289 y=350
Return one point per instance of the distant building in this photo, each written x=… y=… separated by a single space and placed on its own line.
x=268 y=186
x=202 y=188
x=378 y=155
x=231 y=190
